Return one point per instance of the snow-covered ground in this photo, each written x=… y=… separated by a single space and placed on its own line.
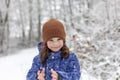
x=15 y=67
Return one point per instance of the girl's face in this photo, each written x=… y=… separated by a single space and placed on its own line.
x=55 y=44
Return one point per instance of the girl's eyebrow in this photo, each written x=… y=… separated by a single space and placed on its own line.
x=59 y=39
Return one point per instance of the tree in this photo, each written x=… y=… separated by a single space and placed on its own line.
x=71 y=14
x=4 y=27
x=39 y=20
x=30 y=23
x=1 y=33
x=7 y=3
x=22 y=18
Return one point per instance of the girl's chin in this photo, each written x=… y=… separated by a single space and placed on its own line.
x=55 y=50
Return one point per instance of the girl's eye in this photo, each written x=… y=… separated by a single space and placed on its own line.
x=51 y=40
x=59 y=39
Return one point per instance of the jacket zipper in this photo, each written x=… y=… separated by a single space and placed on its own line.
x=53 y=56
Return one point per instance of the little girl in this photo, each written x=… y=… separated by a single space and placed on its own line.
x=54 y=61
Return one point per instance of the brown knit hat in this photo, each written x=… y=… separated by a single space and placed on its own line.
x=53 y=28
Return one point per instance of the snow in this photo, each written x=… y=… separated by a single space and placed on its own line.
x=15 y=67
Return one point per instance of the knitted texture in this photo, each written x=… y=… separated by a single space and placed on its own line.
x=53 y=28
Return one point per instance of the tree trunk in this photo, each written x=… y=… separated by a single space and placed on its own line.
x=22 y=22
x=50 y=8
x=30 y=23
x=71 y=14
x=107 y=12
x=1 y=33
x=4 y=25
x=55 y=10
x=116 y=11
x=64 y=12
x=39 y=20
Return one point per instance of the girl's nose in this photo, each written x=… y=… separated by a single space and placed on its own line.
x=55 y=43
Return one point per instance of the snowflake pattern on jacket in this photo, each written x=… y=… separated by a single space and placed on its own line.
x=67 y=68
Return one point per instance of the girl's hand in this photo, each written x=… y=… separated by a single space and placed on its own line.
x=41 y=74
x=54 y=75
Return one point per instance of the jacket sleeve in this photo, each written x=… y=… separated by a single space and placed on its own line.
x=74 y=69
x=32 y=73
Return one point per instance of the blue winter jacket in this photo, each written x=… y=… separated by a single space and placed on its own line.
x=67 y=68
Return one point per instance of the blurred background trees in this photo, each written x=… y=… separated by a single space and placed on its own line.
x=21 y=20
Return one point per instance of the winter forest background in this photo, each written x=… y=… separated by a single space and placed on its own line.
x=92 y=26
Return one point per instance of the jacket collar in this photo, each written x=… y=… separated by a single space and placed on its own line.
x=55 y=55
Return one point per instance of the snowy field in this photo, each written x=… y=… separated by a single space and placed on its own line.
x=15 y=67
